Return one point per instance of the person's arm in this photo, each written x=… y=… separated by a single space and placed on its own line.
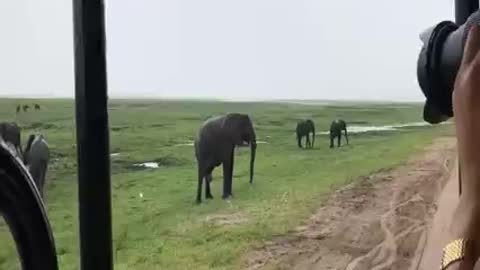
x=466 y=106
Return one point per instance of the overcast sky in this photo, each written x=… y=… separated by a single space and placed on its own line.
x=234 y=49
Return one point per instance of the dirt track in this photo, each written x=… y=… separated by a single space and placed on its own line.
x=383 y=221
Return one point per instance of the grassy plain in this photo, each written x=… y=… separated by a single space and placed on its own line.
x=164 y=229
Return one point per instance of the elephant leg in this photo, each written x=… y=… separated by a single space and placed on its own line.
x=37 y=178
x=199 y=187
x=208 y=179
x=331 y=140
x=308 y=144
x=227 y=176
x=339 y=139
x=41 y=182
x=299 y=141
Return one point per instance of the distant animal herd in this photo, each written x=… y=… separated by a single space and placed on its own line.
x=26 y=107
x=214 y=145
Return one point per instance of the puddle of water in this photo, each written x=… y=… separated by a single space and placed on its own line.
x=184 y=144
x=191 y=143
x=114 y=154
x=153 y=165
x=395 y=127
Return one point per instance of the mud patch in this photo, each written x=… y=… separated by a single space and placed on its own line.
x=359 y=122
x=58 y=155
x=39 y=125
x=169 y=161
x=226 y=219
x=118 y=128
x=275 y=123
x=378 y=222
x=157 y=125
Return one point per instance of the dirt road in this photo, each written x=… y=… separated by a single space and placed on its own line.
x=383 y=221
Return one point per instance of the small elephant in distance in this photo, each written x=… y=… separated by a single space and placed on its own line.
x=336 y=129
x=215 y=145
x=304 y=128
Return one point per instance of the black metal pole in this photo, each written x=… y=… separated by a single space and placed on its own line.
x=463 y=9
x=92 y=135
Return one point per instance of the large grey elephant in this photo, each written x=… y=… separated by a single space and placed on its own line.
x=336 y=129
x=10 y=132
x=215 y=145
x=36 y=158
x=304 y=128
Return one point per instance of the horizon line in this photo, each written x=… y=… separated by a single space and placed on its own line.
x=193 y=98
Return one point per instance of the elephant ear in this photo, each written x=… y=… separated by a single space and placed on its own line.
x=233 y=125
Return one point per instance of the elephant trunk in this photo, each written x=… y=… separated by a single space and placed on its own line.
x=313 y=137
x=346 y=135
x=253 y=147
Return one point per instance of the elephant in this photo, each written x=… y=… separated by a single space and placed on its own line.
x=10 y=132
x=336 y=131
x=25 y=108
x=215 y=145
x=304 y=128
x=36 y=106
x=18 y=109
x=36 y=157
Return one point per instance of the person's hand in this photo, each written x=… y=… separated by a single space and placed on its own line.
x=466 y=107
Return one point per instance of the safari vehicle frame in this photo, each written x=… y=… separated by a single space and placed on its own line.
x=20 y=203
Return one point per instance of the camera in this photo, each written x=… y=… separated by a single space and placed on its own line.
x=438 y=64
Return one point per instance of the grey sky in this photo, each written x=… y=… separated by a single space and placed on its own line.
x=248 y=49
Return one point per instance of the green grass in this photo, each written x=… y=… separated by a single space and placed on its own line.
x=165 y=229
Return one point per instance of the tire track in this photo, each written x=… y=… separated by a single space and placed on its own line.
x=379 y=222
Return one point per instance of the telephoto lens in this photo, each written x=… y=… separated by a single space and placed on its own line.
x=438 y=64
